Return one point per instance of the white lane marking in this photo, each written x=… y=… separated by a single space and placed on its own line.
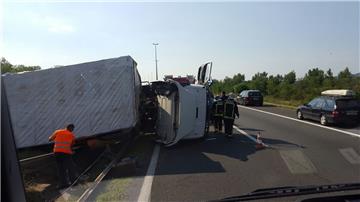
x=211 y=139
x=145 y=192
x=247 y=135
x=350 y=155
x=297 y=162
x=286 y=117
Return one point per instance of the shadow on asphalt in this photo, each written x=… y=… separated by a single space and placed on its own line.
x=199 y=156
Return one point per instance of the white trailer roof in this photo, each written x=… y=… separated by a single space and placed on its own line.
x=98 y=97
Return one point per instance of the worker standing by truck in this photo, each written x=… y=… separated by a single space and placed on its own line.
x=230 y=110
x=63 y=141
x=218 y=112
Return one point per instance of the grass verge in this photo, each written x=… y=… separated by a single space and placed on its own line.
x=290 y=104
x=113 y=190
x=116 y=184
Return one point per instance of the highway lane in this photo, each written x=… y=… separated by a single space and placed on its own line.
x=299 y=154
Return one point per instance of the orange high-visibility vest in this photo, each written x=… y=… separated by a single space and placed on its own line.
x=63 y=141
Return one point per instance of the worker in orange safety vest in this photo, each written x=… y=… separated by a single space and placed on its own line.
x=63 y=141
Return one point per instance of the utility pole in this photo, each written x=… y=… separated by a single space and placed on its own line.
x=156 y=61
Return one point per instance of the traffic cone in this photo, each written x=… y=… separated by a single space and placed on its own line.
x=259 y=144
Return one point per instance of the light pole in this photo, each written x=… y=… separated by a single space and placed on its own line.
x=156 y=61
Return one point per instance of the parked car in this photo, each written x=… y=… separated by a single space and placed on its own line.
x=333 y=107
x=251 y=97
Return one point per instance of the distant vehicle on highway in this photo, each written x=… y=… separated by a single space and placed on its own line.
x=333 y=107
x=250 y=97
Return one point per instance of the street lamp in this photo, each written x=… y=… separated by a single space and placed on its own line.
x=156 y=61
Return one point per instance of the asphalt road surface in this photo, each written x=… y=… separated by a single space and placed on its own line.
x=298 y=153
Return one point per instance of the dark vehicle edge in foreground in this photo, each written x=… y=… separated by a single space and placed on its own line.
x=294 y=191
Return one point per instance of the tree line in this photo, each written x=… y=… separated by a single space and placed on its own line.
x=288 y=87
x=7 y=67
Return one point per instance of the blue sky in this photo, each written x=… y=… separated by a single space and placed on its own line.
x=238 y=37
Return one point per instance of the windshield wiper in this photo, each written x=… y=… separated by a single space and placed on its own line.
x=292 y=191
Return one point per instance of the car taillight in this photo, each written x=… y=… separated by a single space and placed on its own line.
x=335 y=113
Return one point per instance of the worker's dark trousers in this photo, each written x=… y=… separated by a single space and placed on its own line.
x=228 y=123
x=66 y=168
x=218 y=123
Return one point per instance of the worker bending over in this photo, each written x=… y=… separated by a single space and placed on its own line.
x=230 y=110
x=63 y=141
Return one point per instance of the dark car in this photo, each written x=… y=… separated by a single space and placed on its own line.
x=251 y=97
x=331 y=110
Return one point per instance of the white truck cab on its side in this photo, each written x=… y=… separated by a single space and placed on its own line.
x=182 y=110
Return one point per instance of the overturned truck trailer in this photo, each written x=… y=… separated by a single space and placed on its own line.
x=100 y=98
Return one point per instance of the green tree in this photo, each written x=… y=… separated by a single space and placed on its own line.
x=329 y=80
x=290 y=77
x=315 y=77
x=238 y=78
x=216 y=86
x=345 y=79
x=345 y=73
x=286 y=90
x=6 y=66
x=240 y=87
x=259 y=82
x=273 y=83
